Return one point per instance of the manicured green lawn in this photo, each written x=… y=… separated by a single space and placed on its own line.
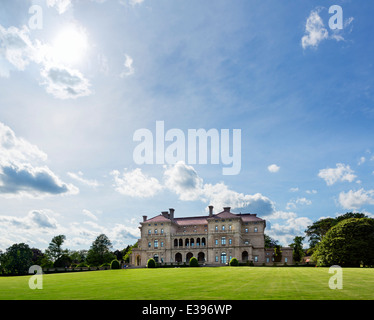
x=220 y=283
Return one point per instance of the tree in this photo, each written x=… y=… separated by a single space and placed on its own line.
x=277 y=253
x=17 y=259
x=270 y=242
x=319 y=228
x=55 y=250
x=99 y=252
x=297 y=246
x=349 y=243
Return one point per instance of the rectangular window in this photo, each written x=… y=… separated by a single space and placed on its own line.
x=223 y=228
x=246 y=230
x=256 y=229
x=216 y=241
x=149 y=244
x=162 y=231
x=223 y=240
x=155 y=231
x=267 y=260
x=216 y=228
x=230 y=227
x=256 y=258
x=285 y=260
x=162 y=244
x=149 y=231
x=216 y=258
x=156 y=243
x=230 y=241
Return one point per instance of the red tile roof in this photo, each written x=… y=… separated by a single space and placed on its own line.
x=184 y=221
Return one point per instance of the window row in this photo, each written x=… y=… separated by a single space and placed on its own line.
x=189 y=242
x=155 y=231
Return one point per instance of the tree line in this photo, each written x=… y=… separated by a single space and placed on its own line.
x=18 y=258
x=346 y=240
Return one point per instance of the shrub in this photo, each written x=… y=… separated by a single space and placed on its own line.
x=193 y=262
x=234 y=262
x=114 y=264
x=151 y=263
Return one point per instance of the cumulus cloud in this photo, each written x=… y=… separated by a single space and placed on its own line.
x=60 y=5
x=354 y=200
x=315 y=30
x=135 y=184
x=89 y=214
x=299 y=201
x=273 y=168
x=184 y=181
x=65 y=83
x=340 y=173
x=22 y=172
x=18 y=50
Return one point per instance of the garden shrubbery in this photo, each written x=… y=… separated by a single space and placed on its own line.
x=151 y=263
x=115 y=264
x=234 y=262
x=194 y=262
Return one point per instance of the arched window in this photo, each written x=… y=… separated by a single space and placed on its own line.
x=178 y=257
x=180 y=242
x=175 y=242
x=192 y=242
x=198 y=242
x=187 y=242
x=201 y=257
x=244 y=256
x=203 y=241
x=188 y=257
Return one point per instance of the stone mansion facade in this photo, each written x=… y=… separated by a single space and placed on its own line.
x=213 y=239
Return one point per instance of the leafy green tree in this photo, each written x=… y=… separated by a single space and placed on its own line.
x=297 y=246
x=55 y=250
x=319 y=228
x=99 y=252
x=17 y=259
x=349 y=243
x=37 y=256
x=270 y=242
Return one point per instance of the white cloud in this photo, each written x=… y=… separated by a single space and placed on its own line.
x=17 y=48
x=294 y=189
x=184 y=181
x=65 y=83
x=315 y=30
x=353 y=200
x=89 y=214
x=273 y=168
x=299 y=201
x=22 y=169
x=79 y=177
x=340 y=173
x=135 y=184
x=60 y=5
x=129 y=69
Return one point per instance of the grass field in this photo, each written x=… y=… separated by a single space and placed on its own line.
x=219 y=283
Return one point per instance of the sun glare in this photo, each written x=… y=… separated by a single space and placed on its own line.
x=70 y=45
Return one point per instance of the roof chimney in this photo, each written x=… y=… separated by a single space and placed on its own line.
x=171 y=210
x=165 y=214
x=226 y=209
x=210 y=211
x=144 y=218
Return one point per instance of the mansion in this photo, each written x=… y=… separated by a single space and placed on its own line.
x=213 y=239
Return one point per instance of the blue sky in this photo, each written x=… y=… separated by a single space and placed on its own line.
x=79 y=78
